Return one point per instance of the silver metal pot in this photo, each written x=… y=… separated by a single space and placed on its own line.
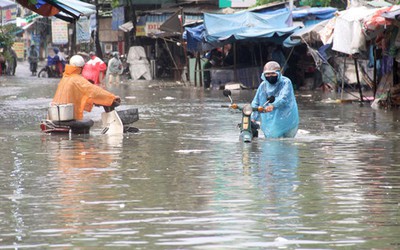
x=61 y=112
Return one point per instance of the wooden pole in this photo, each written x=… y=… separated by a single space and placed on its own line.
x=73 y=38
x=234 y=63
x=132 y=38
x=358 y=80
x=344 y=69
x=99 y=52
x=195 y=69
x=201 y=71
x=170 y=54
x=184 y=45
x=375 y=73
x=394 y=70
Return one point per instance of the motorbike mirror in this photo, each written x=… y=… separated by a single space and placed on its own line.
x=271 y=99
x=227 y=92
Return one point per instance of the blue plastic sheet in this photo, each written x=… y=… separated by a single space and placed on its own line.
x=246 y=25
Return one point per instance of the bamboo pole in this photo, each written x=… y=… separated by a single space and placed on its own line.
x=375 y=73
x=358 y=80
x=195 y=69
x=201 y=72
x=344 y=68
x=234 y=63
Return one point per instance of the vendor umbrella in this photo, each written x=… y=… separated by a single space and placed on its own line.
x=44 y=9
x=68 y=10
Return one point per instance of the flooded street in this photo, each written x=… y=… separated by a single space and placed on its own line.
x=185 y=181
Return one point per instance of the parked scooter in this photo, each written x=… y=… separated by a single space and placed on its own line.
x=60 y=121
x=248 y=129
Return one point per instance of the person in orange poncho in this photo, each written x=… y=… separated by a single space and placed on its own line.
x=74 y=88
x=94 y=69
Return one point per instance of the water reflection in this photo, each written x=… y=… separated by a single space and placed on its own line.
x=251 y=202
x=278 y=166
x=17 y=185
x=82 y=169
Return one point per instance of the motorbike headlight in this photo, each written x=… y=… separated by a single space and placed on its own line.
x=247 y=109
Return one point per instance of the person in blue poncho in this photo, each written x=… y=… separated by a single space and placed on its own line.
x=281 y=118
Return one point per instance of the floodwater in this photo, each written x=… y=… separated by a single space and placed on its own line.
x=185 y=181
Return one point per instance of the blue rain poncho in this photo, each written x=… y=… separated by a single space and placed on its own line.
x=283 y=121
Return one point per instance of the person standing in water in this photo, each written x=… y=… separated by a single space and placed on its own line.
x=114 y=69
x=281 y=118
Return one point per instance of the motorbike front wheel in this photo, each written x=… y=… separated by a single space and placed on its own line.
x=43 y=73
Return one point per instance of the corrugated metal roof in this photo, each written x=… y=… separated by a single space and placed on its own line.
x=6 y=3
x=205 y=7
x=267 y=6
x=187 y=9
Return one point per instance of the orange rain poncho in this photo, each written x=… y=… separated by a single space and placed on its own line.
x=74 y=88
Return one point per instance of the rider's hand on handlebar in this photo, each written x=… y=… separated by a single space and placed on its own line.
x=234 y=106
x=269 y=108
x=117 y=101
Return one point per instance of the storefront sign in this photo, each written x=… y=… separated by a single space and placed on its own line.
x=9 y=15
x=59 y=31
x=153 y=27
x=19 y=48
x=141 y=26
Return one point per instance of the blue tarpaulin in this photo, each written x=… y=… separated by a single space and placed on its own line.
x=194 y=37
x=195 y=40
x=321 y=13
x=273 y=11
x=308 y=34
x=224 y=28
x=246 y=25
x=118 y=18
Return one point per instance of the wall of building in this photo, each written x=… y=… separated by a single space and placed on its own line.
x=106 y=34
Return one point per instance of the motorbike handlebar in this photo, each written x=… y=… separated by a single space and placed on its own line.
x=108 y=108
x=116 y=103
x=259 y=109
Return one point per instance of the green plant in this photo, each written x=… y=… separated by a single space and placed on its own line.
x=33 y=2
x=7 y=35
x=262 y=2
x=115 y=3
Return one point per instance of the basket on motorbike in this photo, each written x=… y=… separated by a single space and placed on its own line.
x=128 y=116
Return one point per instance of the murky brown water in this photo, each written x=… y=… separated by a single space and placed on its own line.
x=186 y=181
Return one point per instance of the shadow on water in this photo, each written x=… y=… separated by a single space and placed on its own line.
x=185 y=181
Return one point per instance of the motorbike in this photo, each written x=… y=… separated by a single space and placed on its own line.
x=49 y=71
x=60 y=121
x=33 y=68
x=248 y=129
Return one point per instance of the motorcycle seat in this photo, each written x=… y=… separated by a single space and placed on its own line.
x=77 y=126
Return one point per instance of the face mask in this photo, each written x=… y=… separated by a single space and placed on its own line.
x=272 y=79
